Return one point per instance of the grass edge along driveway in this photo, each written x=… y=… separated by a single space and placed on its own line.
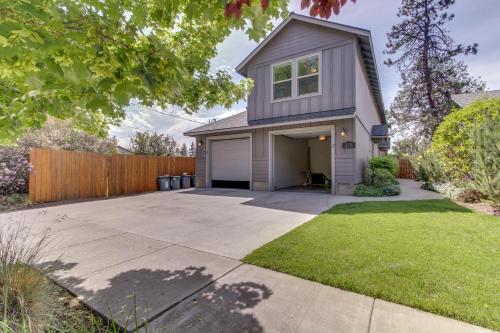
x=432 y=255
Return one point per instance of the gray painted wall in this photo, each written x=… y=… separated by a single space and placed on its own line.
x=291 y=161
x=366 y=117
x=297 y=39
x=344 y=158
x=320 y=156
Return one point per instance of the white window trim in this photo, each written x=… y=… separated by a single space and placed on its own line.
x=295 y=78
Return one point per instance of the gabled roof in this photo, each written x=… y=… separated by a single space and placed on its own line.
x=465 y=99
x=364 y=40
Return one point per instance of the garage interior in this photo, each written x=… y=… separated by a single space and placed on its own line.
x=302 y=162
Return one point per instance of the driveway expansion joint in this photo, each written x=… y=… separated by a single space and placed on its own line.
x=371 y=316
x=172 y=306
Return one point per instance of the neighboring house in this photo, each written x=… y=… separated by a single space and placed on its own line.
x=462 y=100
x=316 y=105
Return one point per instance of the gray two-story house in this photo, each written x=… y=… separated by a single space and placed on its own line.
x=314 y=117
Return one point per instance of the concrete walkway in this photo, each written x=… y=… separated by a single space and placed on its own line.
x=175 y=257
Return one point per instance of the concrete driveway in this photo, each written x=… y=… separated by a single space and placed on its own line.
x=161 y=247
x=175 y=256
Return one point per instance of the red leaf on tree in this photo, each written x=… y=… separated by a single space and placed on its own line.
x=305 y=4
x=336 y=7
x=264 y=4
x=314 y=11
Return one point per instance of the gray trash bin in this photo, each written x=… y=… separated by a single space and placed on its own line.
x=193 y=181
x=185 y=181
x=175 y=182
x=164 y=183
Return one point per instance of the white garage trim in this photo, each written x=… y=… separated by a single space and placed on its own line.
x=208 y=182
x=272 y=134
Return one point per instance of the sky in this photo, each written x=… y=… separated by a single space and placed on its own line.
x=475 y=22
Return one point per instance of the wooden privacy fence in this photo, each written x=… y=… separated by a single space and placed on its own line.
x=67 y=175
x=405 y=169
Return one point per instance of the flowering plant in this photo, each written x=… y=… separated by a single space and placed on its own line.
x=14 y=170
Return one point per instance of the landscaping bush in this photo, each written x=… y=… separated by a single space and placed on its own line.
x=391 y=190
x=384 y=162
x=14 y=171
x=486 y=170
x=470 y=196
x=363 y=190
x=428 y=168
x=379 y=178
x=447 y=189
x=13 y=201
x=26 y=300
x=453 y=140
x=382 y=177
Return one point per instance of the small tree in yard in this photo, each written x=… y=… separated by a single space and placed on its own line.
x=486 y=167
x=184 y=150
x=145 y=143
x=192 y=149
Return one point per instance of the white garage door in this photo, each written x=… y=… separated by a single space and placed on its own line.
x=230 y=160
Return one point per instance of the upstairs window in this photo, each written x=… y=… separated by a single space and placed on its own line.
x=282 y=81
x=296 y=78
x=308 y=75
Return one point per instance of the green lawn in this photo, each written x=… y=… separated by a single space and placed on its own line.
x=433 y=255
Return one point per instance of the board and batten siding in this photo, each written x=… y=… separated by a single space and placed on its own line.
x=344 y=158
x=366 y=117
x=295 y=40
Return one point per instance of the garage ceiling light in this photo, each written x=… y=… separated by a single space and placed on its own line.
x=323 y=138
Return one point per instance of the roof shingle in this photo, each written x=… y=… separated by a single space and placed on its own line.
x=234 y=122
x=465 y=99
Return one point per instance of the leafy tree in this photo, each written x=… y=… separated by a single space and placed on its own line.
x=183 y=150
x=453 y=138
x=409 y=146
x=192 y=149
x=59 y=134
x=486 y=167
x=145 y=143
x=323 y=8
x=87 y=59
x=426 y=56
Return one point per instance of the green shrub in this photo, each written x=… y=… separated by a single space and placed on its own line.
x=470 y=196
x=486 y=170
x=384 y=162
x=428 y=168
x=382 y=177
x=26 y=297
x=391 y=190
x=363 y=190
x=453 y=141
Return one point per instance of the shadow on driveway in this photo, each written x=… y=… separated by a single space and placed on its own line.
x=149 y=294
x=296 y=202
